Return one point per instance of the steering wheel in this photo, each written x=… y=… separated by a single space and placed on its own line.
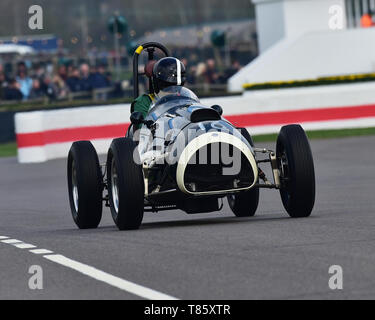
x=150 y=48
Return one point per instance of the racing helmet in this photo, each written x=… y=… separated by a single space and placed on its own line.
x=168 y=72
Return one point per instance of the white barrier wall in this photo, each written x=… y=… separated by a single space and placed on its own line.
x=278 y=19
x=44 y=135
x=313 y=55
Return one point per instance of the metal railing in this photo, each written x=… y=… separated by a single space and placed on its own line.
x=103 y=94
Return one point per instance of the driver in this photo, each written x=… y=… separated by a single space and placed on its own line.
x=166 y=72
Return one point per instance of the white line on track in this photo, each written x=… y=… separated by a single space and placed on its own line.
x=109 y=279
x=90 y=271
x=11 y=241
x=24 y=245
x=41 y=251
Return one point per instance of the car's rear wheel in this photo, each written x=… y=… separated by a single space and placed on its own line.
x=244 y=204
x=125 y=184
x=85 y=185
x=297 y=173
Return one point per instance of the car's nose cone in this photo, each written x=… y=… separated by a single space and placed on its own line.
x=216 y=162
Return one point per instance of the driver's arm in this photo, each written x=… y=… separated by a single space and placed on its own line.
x=142 y=104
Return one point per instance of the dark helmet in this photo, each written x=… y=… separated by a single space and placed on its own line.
x=168 y=72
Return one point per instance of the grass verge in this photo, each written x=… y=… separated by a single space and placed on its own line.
x=10 y=149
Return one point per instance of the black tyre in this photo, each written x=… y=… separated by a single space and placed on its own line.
x=297 y=174
x=85 y=184
x=244 y=204
x=125 y=184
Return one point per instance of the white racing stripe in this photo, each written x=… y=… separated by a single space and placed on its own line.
x=109 y=279
x=179 y=81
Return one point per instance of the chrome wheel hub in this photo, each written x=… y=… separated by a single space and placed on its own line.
x=114 y=186
x=74 y=186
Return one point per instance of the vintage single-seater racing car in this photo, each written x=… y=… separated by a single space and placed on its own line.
x=185 y=155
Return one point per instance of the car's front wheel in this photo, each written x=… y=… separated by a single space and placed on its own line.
x=297 y=174
x=85 y=185
x=125 y=184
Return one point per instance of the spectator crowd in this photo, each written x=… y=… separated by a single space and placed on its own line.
x=30 y=82
x=203 y=69
x=43 y=81
x=209 y=73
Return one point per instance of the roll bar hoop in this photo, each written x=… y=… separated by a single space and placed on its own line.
x=150 y=48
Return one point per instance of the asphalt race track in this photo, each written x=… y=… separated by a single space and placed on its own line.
x=205 y=256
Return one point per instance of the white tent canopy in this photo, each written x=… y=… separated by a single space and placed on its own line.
x=15 y=48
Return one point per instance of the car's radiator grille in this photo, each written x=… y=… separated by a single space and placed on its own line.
x=216 y=167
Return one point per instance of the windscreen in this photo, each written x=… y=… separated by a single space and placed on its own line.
x=175 y=91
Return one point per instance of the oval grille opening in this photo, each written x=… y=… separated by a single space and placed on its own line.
x=216 y=167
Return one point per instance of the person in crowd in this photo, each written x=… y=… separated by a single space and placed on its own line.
x=38 y=73
x=69 y=71
x=21 y=67
x=73 y=81
x=211 y=74
x=97 y=78
x=85 y=81
x=37 y=90
x=25 y=82
x=108 y=77
x=49 y=87
x=185 y=62
x=12 y=91
x=62 y=72
x=191 y=75
x=200 y=72
x=60 y=86
x=103 y=72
